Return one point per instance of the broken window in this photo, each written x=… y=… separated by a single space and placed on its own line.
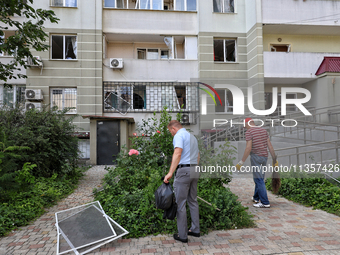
x=118 y=98
x=164 y=54
x=114 y=3
x=64 y=3
x=224 y=50
x=64 y=47
x=64 y=98
x=227 y=101
x=224 y=6
x=280 y=47
x=139 y=97
x=181 y=96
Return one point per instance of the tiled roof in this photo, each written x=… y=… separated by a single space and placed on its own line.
x=329 y=65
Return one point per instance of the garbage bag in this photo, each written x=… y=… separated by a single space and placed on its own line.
x=164 y=196
x=170 y=213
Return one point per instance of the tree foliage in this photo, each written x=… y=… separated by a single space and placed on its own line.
x=28 y=24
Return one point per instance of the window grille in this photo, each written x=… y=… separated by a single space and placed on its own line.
x=12 y=96
x=150 y=96
x=64 y=98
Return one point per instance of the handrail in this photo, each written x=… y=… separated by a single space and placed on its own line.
x=307 y=145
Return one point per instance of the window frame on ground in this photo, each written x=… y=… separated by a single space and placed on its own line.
x=224 y=6
x=62 y=102
x=68 y=51
x=15 y=95
x=227 y=44
x=64 y=3
x=227 y=101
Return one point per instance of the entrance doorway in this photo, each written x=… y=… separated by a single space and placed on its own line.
x=108 y=141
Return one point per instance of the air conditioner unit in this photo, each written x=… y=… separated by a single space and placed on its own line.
x=188 y=118
x=31 y=106
x=38 y=61
x=33 y=94
x=116 y=63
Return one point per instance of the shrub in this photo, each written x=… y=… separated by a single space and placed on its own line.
x=48 y=135
x=311 y=190
x=128 y=195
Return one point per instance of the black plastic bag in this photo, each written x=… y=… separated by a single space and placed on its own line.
x=170 y=213
x=164 y=196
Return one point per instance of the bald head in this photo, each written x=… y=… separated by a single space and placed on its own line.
x=174 y=126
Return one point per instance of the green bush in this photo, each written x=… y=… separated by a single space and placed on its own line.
x=47 y=137
x=311 y=190
x=128 y=195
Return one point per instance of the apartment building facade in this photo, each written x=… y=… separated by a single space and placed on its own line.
x=117 y=62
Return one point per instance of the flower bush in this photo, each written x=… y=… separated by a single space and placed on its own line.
x=128 y=195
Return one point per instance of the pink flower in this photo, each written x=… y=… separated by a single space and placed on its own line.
x=133 y=152
x=142 y=134
x=135 y=134
x=158 y=131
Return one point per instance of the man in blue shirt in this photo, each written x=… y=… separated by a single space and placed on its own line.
x=185 y=158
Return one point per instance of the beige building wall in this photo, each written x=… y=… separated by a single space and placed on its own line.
x=83 y=73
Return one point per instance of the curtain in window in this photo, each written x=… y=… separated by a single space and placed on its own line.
x=180 y=5
x=71 y=3
x=217 y=4
x=144 y=4
x=57 y=2
x=229 y=6
x=74 y=45
x=157 y=5
x=170 y=44
x=71 y=47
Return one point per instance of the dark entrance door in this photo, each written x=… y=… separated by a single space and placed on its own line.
x=108 y=137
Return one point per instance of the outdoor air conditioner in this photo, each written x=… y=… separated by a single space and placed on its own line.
x=116 y=63
x=188 y=118
x=33 y=94
x=31 y=106
x=38 y=63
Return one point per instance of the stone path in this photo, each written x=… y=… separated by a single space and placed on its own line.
x=285 y=228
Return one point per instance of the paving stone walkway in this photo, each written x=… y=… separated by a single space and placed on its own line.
x=285 y=228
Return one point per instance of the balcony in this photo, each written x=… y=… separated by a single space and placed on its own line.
x=152 y=70
x=136 y=21
x=301 y=17
x=292 y=67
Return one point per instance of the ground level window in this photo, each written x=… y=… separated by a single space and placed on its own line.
x=64 y=47
x=224 y=6
x=224 y=50
x=12 y=96
x=64 y=98
x=227 y=101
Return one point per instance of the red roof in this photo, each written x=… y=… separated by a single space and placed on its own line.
x=329 y=65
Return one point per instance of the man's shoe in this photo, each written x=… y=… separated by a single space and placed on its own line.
x=254 y=200
x=190 y=233
x=260 y=205
x=176 y=237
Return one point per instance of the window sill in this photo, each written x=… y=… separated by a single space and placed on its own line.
x=70 y=7
x=224 y=12
x=220 y=62
x=72 y=60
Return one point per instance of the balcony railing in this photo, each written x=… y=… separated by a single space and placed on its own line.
x=126 y=97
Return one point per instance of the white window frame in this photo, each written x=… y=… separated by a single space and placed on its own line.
x=123 y=1
x=64 y=4
x=151 y=5
x=185 y=5
x=64 y=45
x=14 y=87
x=224 y=50
x=159 y=53
x=226 y=107
x=71 y=111
x=223 y=7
